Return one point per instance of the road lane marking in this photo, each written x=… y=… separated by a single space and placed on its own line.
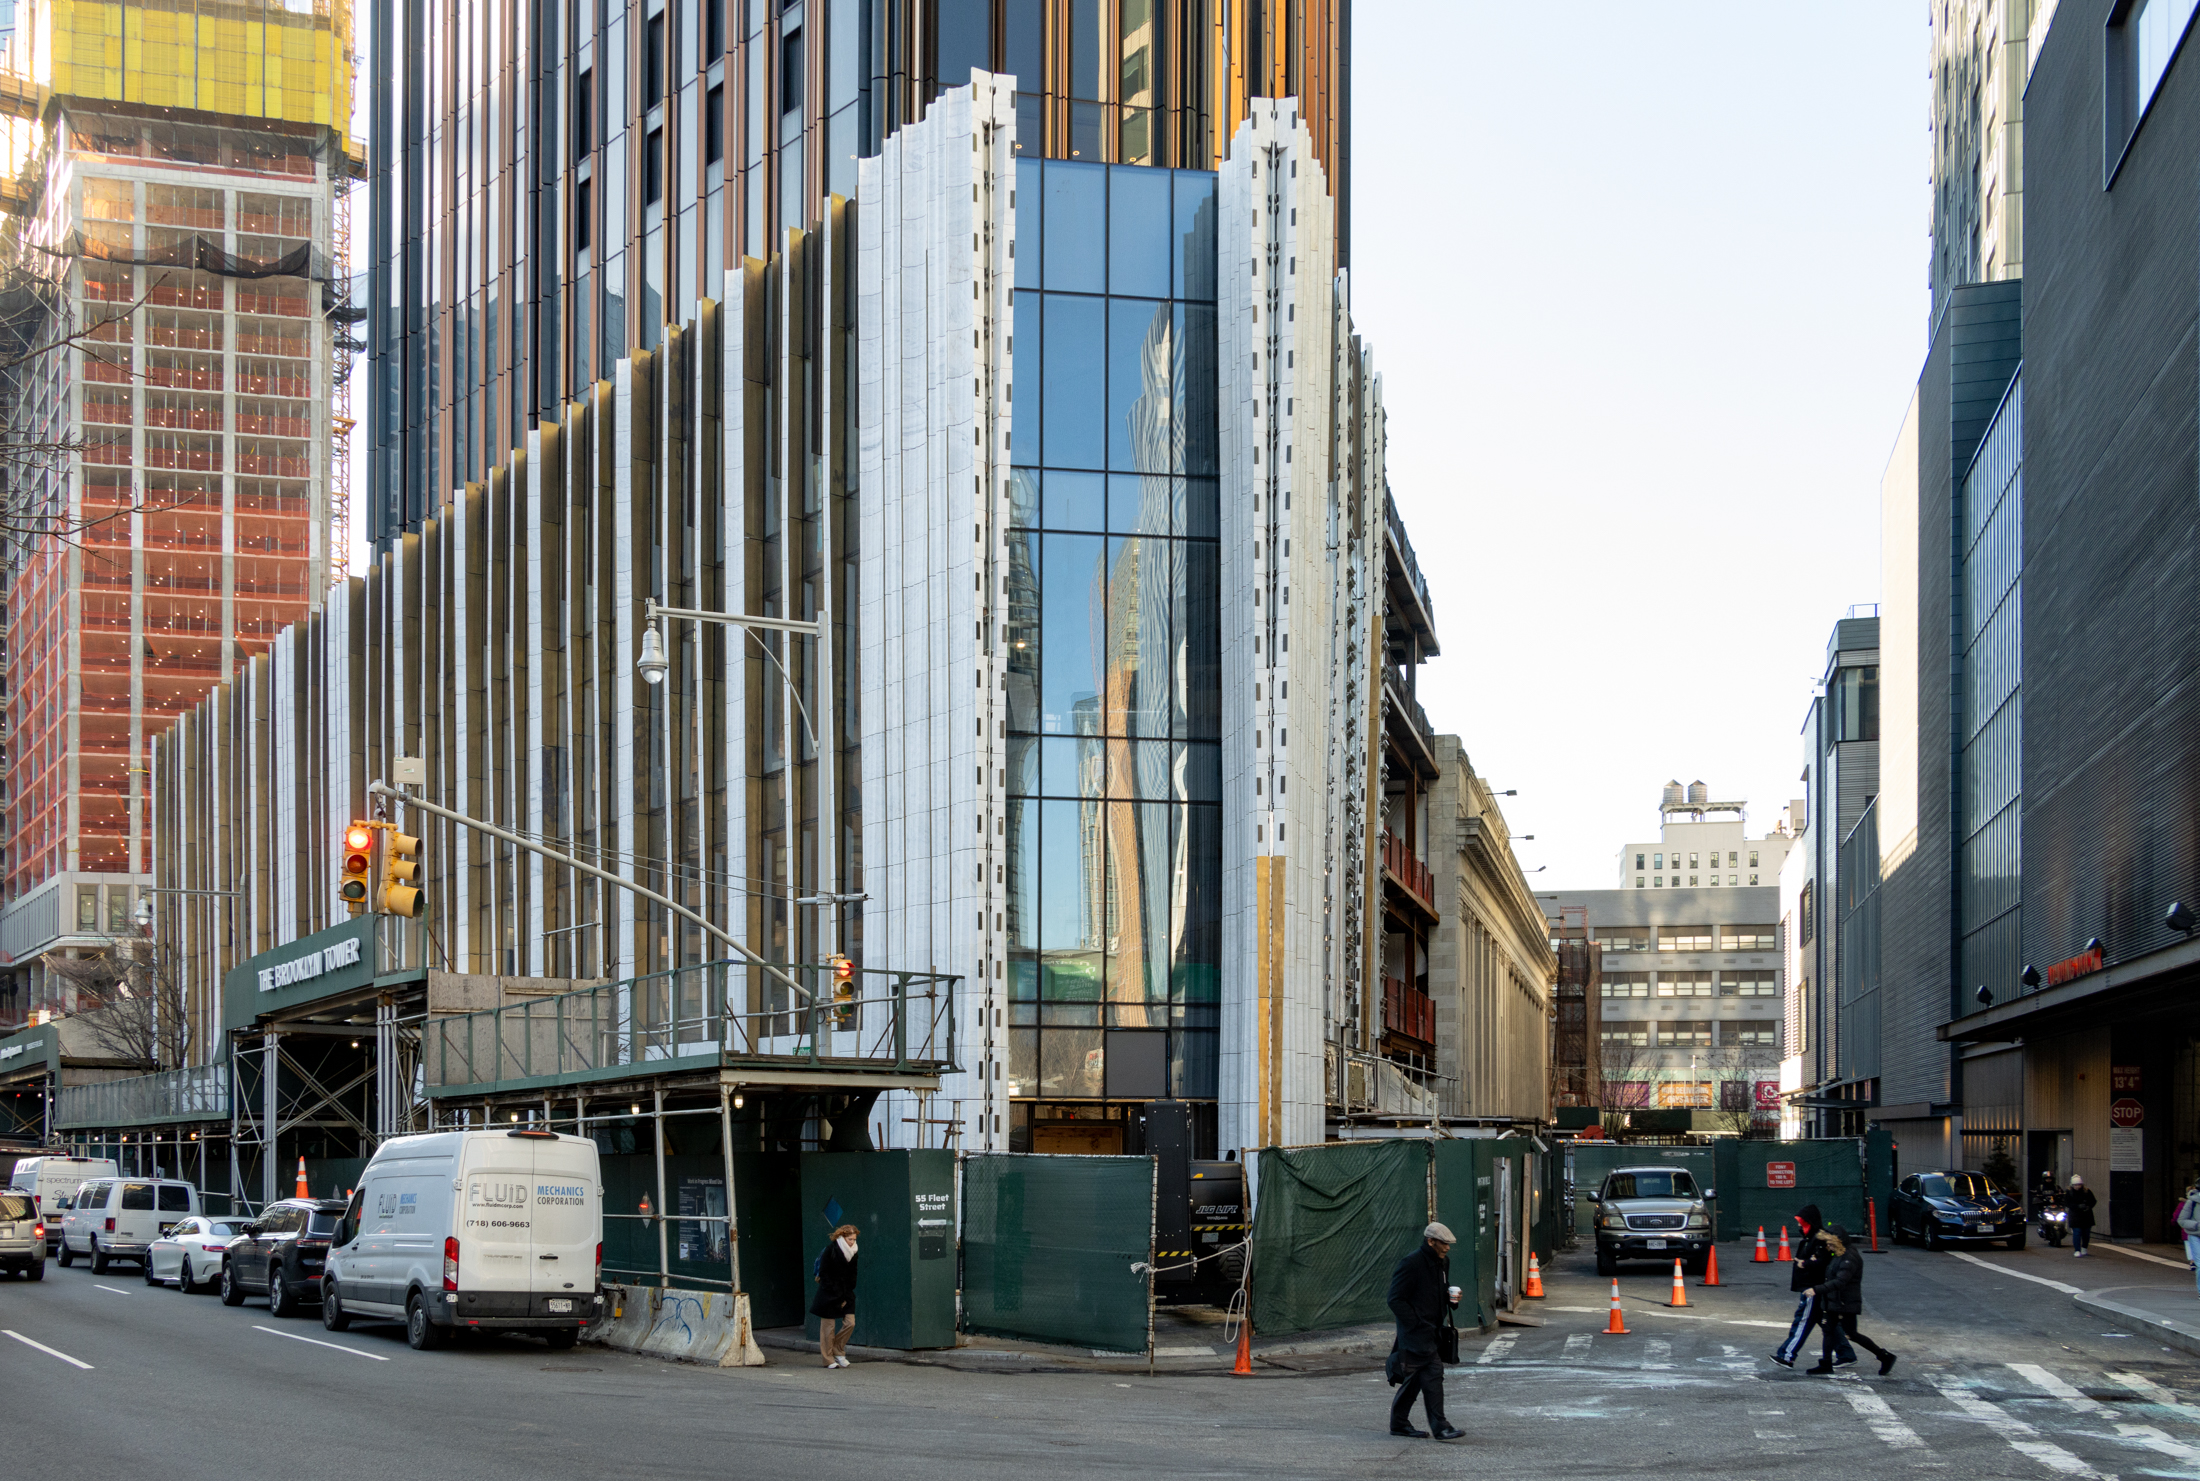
x=1577 y=1348
x=2141 y=1255
x=1656 y=1354
x=317 y=1342
x=2067 y=1290
x=1497 y=1349
x=48 y=1351
x=116 y=1289
x=2021 y=1437
x=1877 y=1413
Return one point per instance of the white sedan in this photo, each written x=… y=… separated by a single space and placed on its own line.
x=190 y=1254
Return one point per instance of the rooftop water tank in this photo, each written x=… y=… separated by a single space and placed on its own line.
x=1672 y=794
x=1698 y=794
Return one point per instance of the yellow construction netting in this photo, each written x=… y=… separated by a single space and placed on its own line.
x=248 y=60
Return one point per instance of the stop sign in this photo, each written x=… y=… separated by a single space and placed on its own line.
x=2126 y=1112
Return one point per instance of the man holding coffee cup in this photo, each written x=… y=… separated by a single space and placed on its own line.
x=1421 y=1298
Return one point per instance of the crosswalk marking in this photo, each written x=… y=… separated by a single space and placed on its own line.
x=1879 y=1414
x=2047 y=1381
x=1656 y=1354
x=2020 y=1436
x=1498 y=1348
x=2146 y=1388
x=1577 y=1348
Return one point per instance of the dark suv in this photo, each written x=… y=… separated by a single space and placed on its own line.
x=280 y=1254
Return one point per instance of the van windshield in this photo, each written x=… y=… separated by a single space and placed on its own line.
x=1659 y=1184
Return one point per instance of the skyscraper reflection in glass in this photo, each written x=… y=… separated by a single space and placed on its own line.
x=1115 y=771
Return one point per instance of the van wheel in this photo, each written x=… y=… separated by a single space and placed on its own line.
x=421 y=1334
x=562 y=1338
x=281 y=1299
x=232 y=1293
x=68 y=1256
x=99 y=1259
x=333 y=1315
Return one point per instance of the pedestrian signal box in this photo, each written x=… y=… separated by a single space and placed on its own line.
x=358 y=863
x=401 y=875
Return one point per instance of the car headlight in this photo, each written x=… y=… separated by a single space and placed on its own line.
x=1611 y=1221
x=1698 y=1221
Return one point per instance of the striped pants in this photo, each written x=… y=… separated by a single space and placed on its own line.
x=1806 y=1317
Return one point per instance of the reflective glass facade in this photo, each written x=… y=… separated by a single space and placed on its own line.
x=1114 y=785
x=1990 y=520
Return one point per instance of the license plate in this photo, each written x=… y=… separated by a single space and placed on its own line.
x=1978 y=1228
x=558 y=1305
x=1653 y=1244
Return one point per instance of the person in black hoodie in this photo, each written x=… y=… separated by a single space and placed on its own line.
x=1420 y=1291
x=1804 y=1277
x=2081 y=1202
x=1841 y=1301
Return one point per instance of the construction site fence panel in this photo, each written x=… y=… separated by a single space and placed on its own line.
x=1329 y=1224
x=1764 y=1183
x=1053 y=1245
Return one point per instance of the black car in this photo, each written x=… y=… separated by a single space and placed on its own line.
x=1954 y=1207
x=280 y=1254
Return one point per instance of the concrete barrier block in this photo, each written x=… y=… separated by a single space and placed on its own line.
x=710 y=1327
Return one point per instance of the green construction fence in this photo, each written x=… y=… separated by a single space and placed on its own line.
x=1054 y=1248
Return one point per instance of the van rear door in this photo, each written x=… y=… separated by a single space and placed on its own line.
x=568 y=1225
x=495 y=1219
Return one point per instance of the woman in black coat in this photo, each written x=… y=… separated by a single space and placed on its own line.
x=834 y=1305
x=2080 y=1201
x=1840 y=1302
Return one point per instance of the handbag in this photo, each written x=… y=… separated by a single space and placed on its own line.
x=1447 y=1339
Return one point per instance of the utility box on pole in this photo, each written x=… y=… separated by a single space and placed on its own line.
x=903 y=1204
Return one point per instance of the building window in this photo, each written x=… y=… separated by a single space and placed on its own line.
x=1691 y=879
x=653 y=168
x=1658 y=882
x=1748 y=1031
x=1684 y=938
x=1731 y=856
x=790 y=71
x=2141 y=44
x=1638 y=861
x=584 y=215
x=714 y=125
x=1638 y=881
x=1748 y=985
x=1753 y=861
x=584 y=113
x=653 y=63
x=1627 y=985
x=714 y=30
x=1854 y=700
x=1623 y=938
x=1692 y=862
x=1684 y=985
x=1622 y=1038
x=1660 y=864
x=1807 y=909
x=1753 y=879
x=1733 y=879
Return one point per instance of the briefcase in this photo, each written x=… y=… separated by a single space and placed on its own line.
x=1447 y=1340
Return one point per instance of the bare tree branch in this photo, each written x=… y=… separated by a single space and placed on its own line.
x=138 y=1010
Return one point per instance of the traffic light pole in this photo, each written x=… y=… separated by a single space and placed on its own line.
x=380 y=788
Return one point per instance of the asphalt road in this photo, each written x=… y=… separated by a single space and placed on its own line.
x=2000 y=1377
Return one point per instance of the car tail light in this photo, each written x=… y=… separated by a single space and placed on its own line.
x=38 y=1231
x=450 y=1264
x=110 y=1227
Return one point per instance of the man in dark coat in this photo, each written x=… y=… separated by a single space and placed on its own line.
x=2080 y=1201
x=1420 y=1293
x=834 y=1306
x=1804 y=1277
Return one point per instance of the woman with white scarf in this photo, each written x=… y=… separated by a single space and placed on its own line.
x=834 y=1306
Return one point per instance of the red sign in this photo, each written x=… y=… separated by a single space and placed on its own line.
x=1779 y=1175
x=2123 y=1079
x=1768 y=1095
x=2126 y=1112
x=2071 y=968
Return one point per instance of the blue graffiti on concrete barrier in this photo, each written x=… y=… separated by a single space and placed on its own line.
x=674 y=1310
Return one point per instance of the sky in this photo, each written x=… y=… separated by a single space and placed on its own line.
x=1648 y=302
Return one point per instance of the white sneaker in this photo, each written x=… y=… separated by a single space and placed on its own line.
x=840 y=1362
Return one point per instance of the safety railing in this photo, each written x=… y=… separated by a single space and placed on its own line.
x=875 y=1019
x=200 y=1090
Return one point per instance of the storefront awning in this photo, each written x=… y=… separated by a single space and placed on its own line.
x=2151 y=983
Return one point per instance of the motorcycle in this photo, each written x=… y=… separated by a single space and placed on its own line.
x=2051 y=1219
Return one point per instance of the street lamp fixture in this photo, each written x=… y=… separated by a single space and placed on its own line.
x=652 y=662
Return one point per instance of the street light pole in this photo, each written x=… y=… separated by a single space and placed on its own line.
x=824 y=734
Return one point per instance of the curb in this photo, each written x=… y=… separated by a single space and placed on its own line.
x=2184 y=1336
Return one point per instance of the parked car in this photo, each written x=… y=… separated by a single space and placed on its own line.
x=1650 y=1213
x=119 y=1218
x=52 y=1181
x=1954 y=1206
x=481 y=1230
x=22 y=1237
x=191 y=1253
x=281 y=1254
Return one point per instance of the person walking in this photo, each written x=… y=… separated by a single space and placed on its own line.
x=1421 y=1294
x=2080 y=1202
x=834 y=1306
x=1841 y=1301
x=2188 y=1224
x=1804 y=1277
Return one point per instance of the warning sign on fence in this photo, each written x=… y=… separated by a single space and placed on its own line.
x=1779 y=1175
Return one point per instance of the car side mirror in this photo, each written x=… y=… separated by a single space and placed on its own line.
x=251 y=1231
x=1710 y=1193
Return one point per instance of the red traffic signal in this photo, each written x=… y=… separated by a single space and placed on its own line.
x=357 y=866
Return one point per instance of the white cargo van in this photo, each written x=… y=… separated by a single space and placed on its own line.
x=119 y=1218
x=482 y=1230
x=52 y=1182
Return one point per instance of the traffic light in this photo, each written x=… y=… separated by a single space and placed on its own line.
x=401 y=875
x=358 y=863
x=844 y=992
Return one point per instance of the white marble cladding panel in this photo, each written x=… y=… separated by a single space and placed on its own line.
x=935 y=217
x=626 y=597
x=733 y=528
x=535 y=640
x=1294 y=521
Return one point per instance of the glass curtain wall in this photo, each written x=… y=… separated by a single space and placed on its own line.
x=1114 y=706
x=1991 y=537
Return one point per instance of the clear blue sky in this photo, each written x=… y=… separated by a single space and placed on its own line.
x=1647 y=291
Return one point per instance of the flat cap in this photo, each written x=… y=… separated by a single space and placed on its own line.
x=1440 y=1231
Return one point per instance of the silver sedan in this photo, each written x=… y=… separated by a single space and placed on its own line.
x=190 y=1254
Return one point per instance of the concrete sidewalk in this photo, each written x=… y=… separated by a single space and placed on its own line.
x=2168 y=1314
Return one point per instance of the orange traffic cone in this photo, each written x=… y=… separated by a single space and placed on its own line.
x=1535 y=1278
x=1711 y=1267
x=1784 y=1244
x=1680 y=1292
x=1760 y=1258
x=1616 y=1327
x=1245 y=1347
x=302 y=1193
